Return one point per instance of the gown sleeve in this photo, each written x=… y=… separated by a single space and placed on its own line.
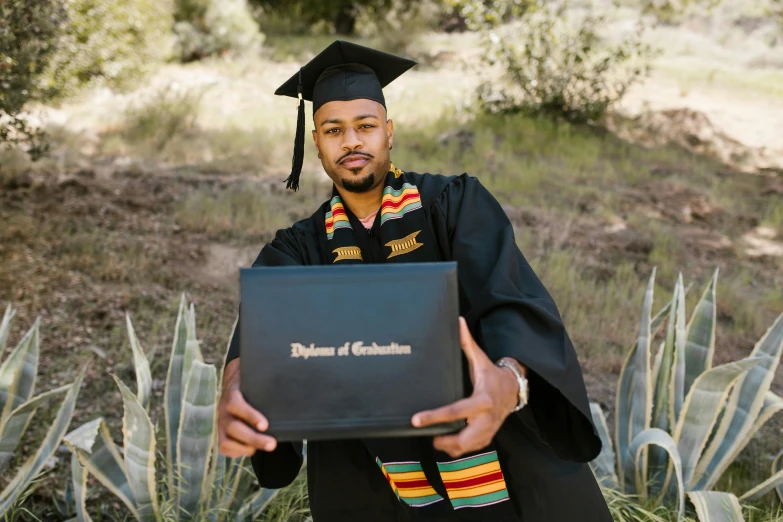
x=278 y=468
x=511 y=314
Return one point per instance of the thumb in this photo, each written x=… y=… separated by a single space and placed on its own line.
x=468 y=344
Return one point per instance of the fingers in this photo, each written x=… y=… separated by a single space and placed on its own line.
x=244 y=434
x=237 y=406
x=475 y=436
x=462 y=409
x=234 y=450
x=236 y=422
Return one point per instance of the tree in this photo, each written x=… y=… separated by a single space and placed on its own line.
x=27 y=33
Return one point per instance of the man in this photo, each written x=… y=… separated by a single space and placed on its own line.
x=513 y=461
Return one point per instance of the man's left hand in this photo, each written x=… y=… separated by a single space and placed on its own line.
x=495 y=394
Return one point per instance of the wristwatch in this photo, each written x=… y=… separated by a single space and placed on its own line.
x=521 y=380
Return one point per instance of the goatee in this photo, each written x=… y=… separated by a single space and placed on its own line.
x=359 y=186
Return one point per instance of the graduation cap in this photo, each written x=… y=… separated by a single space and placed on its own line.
x=343 y=71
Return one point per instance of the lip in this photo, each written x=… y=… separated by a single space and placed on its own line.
x=352 y=162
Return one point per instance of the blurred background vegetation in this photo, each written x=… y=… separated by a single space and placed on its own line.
x=142 y=153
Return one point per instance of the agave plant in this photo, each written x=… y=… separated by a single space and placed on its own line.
x=200 y=484
x=18 y=407
x=679 y=422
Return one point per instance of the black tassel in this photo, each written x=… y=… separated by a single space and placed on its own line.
x=292 y=182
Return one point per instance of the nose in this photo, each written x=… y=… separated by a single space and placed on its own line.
x=351 y=140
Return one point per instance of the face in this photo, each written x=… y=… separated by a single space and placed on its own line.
x=353 y=139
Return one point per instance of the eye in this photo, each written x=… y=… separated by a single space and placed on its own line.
x=366 y=126
x=333 y=130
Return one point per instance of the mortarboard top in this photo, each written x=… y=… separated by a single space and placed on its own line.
x=343 y=71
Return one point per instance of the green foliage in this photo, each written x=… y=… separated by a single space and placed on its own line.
x=487 y=14
x=27 y=32
x=199 y=483
x=702 y=417
x=18 y=407
x=672 y=11
x=209 y=27
x=557 y=65
x=340 y=15
x=775 y=10
x=394 y=26
x=109 y=41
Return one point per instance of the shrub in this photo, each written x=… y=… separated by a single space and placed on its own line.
x=341 y=15
x=394 y=26
x=556 y=65
x=27 y=31
x=679 y=422
x=108 y=41
x=208 y=27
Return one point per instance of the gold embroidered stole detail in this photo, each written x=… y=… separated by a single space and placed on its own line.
x=350 y=252
x=397 y=172
x=404 y=245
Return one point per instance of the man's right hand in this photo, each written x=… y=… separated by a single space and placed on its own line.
x=240 y=426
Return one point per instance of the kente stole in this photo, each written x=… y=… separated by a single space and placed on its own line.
x=429 y=482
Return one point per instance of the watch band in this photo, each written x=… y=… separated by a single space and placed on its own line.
x=521 y=380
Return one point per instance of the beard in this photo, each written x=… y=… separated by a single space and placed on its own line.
x=359 y=185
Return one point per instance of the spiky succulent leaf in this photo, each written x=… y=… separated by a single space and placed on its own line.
x=18 y=372
x=702 y=407
x=79 y=481
x=51 y=441
x=634 y=389
x=102 y=459
x=192 y=333
x=142 y=366
x=668 y=399
x=12 y=429
x=172 y=395
x=84 y=436
x=713 y=506
x=603 y=464
x=742 y=410
x=772 y=405
x=196 y=436
x=634 y=467
x=671 y=376
x=700 y=335
x=777 y=467
x=5 y=327
x=138 y=435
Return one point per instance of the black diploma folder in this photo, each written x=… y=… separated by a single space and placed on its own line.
x=334 y=352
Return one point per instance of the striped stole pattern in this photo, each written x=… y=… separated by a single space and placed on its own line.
x=336 y=217
x=408 y=482
x=397 y=203
x=475 y=481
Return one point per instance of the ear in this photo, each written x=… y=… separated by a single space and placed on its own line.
x=390 y=132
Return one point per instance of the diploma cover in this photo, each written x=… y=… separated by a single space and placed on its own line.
x=334 y=352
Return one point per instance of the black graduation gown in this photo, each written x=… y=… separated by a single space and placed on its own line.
x=543 y=449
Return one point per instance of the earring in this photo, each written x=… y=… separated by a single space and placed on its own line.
x=391 y=146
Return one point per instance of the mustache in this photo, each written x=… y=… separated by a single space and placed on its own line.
x=342 y=158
